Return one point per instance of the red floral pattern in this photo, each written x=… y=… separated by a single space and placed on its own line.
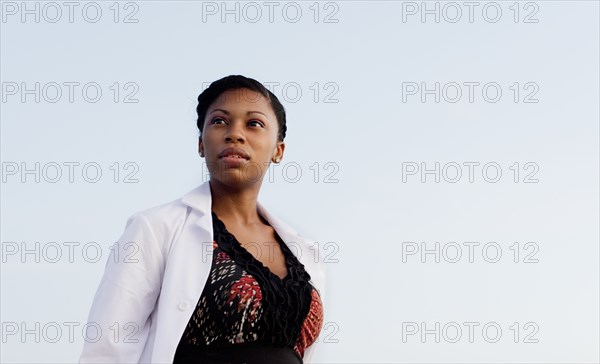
x=233 y=307
x=311 y=326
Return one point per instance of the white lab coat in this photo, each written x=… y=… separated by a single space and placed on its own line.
x=155 y=275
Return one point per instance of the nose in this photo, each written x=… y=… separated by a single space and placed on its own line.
x=235 y=133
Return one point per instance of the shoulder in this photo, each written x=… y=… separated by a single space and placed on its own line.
x=161 y=217
x=165 y=217
x=160 y=225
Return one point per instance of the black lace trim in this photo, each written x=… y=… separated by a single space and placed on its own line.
x=286 y=302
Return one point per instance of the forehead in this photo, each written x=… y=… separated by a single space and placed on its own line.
x=241 y=98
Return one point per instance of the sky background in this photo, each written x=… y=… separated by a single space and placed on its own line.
x=444 y=155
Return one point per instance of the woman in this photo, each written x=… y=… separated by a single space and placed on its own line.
x=213 y=277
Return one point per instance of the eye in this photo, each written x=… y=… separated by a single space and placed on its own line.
x=217 y=120
x=255 y=123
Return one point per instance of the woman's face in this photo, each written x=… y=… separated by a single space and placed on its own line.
x=239 y=138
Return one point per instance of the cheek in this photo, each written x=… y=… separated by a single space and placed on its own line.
x=209 y=142
x=267 y=150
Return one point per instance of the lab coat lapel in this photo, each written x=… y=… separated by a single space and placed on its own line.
x=289 y=236
x=305 y=250
x=186 y=272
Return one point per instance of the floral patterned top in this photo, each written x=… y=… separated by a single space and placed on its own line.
x=248 y=314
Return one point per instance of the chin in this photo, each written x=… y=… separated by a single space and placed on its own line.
x=237 y=178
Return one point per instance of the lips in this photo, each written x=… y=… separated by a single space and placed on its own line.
x=234 y=153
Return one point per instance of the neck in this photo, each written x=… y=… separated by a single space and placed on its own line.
x=235 y=203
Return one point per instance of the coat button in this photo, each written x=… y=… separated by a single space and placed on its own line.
x=184 y=305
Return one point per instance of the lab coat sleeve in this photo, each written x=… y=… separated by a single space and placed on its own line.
x=119 y=319
x=309 y=354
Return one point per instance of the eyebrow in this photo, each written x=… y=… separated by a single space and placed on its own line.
x=248 y=113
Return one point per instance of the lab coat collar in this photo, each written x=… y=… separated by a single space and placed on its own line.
x=200 y=199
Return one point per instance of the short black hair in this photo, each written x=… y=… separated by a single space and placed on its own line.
x=234 y=82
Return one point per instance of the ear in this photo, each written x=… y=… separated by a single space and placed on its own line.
x=278 y=153
x=201 y=147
